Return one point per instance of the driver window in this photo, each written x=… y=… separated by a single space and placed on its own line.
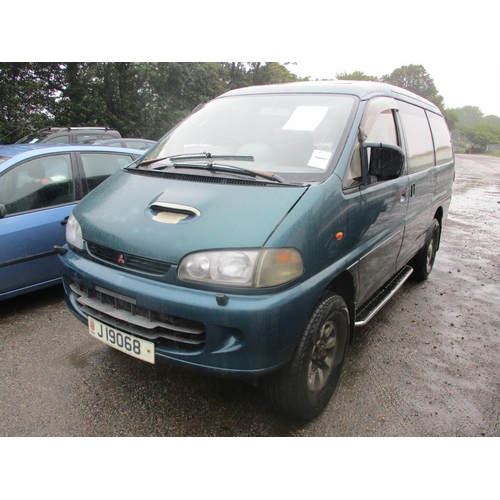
x=384 y=129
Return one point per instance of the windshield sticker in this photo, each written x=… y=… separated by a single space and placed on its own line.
x=306 y=118
x=319 y=159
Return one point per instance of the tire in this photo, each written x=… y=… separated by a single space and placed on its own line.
x=304 y=387
x=423 y=262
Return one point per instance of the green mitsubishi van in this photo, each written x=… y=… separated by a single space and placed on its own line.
x=258 y=233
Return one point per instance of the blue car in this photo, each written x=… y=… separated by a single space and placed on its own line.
x=39 y=187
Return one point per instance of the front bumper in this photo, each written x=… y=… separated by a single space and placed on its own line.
x=245 y=338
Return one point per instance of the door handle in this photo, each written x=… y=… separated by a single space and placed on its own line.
x=402 y=198
x=413 y=189
x=64 y=221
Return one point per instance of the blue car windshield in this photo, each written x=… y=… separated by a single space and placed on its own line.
x=296 y=136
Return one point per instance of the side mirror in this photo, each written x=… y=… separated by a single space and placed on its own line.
x=385 y=161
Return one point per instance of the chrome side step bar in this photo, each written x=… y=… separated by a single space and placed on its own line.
x=382 y=297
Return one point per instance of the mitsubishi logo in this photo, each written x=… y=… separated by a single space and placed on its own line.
x=121 y=260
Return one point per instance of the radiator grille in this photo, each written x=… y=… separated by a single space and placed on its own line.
x=123 y=313
x=127 y=261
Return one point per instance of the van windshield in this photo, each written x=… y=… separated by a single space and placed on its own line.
x=296 y=136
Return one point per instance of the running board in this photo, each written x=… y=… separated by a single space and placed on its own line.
x=382 y=297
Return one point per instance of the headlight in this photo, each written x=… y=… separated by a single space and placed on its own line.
x=74 y=233
x=246 y=268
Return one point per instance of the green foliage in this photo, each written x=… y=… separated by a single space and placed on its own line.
x=357 y=76
x=267 y=73
x=147 y=99
x=27 y=93
x=481 y=135
x=493 y=119
x=138 y=99
x=415 y=79
x=468 y=115
x=451 y=118
x=475 y=131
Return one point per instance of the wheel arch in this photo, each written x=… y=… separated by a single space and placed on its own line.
x=344 y=285
x=439 y=215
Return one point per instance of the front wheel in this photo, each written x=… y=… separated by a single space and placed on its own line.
x=304 y=387
x=423 y=262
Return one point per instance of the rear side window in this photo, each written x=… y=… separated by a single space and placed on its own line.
x=418 y=136
x=442 y=138
x=60 y=139
x=86 y=138
x=99 y=166
x=107 y=136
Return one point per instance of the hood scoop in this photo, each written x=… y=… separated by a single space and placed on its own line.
x=172 y=213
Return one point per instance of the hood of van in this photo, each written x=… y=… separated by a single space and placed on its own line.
x=165 y=219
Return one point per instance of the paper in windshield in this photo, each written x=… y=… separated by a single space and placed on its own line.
x=306 y=118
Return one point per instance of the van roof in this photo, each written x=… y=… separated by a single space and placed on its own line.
x=362 y=89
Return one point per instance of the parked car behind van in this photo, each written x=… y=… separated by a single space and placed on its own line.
x=70 y=135
x=260 y=231
x=125 y=142
x=39 y=186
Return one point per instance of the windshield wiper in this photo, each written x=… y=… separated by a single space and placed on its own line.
x=231 y=169
x=197 y=156
x=205 y=158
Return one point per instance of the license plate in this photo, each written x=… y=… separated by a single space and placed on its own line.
x=134 y=346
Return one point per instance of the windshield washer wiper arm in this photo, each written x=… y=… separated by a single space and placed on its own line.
x=231 y=169
x=197 y=156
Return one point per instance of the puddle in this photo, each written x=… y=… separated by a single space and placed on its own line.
x=80 y=357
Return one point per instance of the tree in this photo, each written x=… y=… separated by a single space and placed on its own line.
x=172 y=90
x=138 y=99
x=481 y=135
x=268 y=73
x=27 y=95
x=415 y=79
x=121 y=87
x=356 y=75
x=451 y=118
x=468 y=115
x=493 y=119
x=80 y=102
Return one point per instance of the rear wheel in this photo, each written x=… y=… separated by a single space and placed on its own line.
x=423 y=262
x=304 y=387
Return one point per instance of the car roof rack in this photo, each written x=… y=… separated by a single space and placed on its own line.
x=58 y=129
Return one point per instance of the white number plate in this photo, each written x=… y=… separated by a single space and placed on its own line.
x=141 y=349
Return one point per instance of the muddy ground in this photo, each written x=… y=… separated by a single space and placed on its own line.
x=427 y=365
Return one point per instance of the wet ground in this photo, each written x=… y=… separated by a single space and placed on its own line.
x=427 y=365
